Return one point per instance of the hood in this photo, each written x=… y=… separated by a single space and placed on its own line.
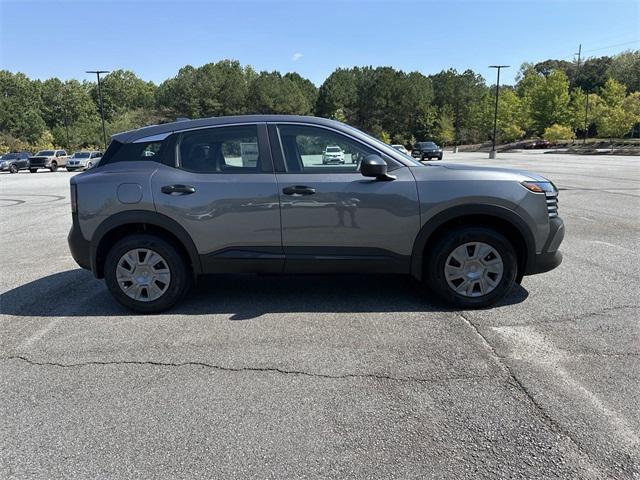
x=474 y=172
x=522 y=175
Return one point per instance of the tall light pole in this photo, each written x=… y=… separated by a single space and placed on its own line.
x=104 y=132
x=492 y=153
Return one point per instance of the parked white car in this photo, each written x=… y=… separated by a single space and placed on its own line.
x=83 y=160
x=332 y=154
x=401 y=148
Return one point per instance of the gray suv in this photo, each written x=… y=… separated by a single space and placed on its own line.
x=170 y=202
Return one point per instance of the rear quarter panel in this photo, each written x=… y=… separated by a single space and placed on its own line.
x=98 y=192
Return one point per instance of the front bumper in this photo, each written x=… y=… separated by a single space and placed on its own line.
x=550 y=257
x=79 y=246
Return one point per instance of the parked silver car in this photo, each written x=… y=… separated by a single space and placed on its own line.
x=83 y=160
x=170 y=202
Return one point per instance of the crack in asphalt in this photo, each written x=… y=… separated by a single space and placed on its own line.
x=555 y=426
x=252 y=369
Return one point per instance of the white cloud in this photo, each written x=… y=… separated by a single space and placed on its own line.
x=297 y=56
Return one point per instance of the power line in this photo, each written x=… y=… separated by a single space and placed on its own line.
x=611 y=46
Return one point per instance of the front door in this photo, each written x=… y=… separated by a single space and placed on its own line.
x=333 y=218
x=224 y=194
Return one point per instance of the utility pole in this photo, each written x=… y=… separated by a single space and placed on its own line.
x=492 y=153
x=104 y=132
x=586 y=103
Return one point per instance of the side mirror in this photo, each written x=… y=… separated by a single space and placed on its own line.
x=374 y=166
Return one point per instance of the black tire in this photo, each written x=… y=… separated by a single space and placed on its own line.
x=54 y=166
x=456 y=237
x=180 y=275
x=33 y=170
x=13 y=168
x=440 y=157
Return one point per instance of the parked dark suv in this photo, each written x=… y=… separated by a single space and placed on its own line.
x=14 y=162
x=170 y=202
x=426 y=151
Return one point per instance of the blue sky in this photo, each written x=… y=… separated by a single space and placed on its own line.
x=156 y=38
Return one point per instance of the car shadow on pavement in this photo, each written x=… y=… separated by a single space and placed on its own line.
x=76 y=293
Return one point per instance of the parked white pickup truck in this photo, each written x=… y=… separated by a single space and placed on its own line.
x=51 y=159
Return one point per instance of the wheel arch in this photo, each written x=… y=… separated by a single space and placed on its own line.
x=502 y=219
x=140 y=221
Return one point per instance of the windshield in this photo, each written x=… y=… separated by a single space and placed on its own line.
x=10 y=156
x=384 y=146
x=333 y=149
x=81 y=155
x=427 y=145
x=45 y=153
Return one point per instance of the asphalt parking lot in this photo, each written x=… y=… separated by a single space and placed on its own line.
x=331 y=376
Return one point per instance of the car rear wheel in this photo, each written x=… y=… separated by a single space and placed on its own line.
x=146 y=273
x=33 y=170
x=54 y=166
x=13 y=168
x=472 y=267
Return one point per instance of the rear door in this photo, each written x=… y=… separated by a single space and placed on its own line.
x=333 y=218
x=223 y=191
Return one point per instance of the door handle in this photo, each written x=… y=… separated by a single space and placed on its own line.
x=178 y=189
x=298 y=190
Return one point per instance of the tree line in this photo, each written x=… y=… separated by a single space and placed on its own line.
x=554 y=99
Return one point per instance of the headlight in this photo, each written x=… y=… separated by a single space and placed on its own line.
x=539 y=187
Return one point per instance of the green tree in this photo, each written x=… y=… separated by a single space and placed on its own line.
x=625 y=68
x=615 y=122
x=510 y=115
x=122 y=90
x=270 y=92
x=20 y=107
x=460 y=92
x=545 y=99
x=445 y=130
x=306 y=86
x=339 y=92
x=592 y=74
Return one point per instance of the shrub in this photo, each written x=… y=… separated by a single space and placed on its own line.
x=556 y=133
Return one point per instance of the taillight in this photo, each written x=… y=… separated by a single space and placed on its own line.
x=74 y=198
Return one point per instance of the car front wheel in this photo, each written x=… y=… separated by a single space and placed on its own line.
x=33 y=170
x=13 y=168
x=146 y=273
x=472 y=267
x=54 y=166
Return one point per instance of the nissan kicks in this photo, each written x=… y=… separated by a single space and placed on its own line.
x=168 y=203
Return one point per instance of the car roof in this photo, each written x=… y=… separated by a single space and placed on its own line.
x=167 y=128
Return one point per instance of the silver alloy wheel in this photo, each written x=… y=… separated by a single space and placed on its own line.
x=143 y=274
x=473 y=269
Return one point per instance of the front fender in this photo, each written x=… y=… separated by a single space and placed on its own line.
x=459 y=211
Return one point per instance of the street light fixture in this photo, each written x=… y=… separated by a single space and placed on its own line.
x=104 y=132
x=492 y=154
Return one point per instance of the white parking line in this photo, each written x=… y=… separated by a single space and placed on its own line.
x=29 y=341
x=529 y=345
x=612 y=245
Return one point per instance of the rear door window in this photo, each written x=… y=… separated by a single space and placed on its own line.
x=232 y=149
